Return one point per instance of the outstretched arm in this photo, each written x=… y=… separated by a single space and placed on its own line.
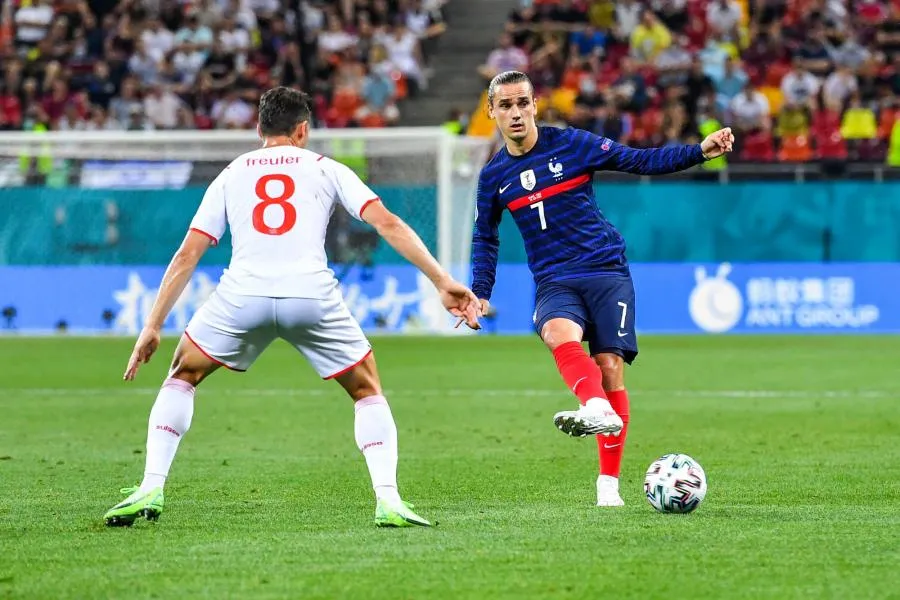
x=456 y=298
x=606 y=155
x=176 y=278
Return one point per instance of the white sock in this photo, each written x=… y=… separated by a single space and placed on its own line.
x=170 y=418
x=376 y=438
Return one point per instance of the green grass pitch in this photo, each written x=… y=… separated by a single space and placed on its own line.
x=269 y=497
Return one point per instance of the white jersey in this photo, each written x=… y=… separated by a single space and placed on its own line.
x=277 y=202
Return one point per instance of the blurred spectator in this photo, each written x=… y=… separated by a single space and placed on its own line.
x=231 y=112
x=838 y=87
x=649 y=38
x=161 y=107
x=733 y=80
x=793 y=120
x=750 y=110
x=628 y=15
x=674 y=63
x=799 y=86
x=505 y=57
x=723 y=17
x=32 y=23
x=405 y=54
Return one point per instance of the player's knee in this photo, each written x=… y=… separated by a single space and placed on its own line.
x=362 y=381
x=186 y=374
x=613 y=368
x=557 y=332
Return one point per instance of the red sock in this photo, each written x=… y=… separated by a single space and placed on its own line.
x=581 y=374
x=610 y=448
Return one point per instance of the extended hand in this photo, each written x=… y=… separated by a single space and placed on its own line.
x=461 y=302
x=146 y=345
x=717 y=143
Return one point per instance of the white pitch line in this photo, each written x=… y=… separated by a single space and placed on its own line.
x=735 y=394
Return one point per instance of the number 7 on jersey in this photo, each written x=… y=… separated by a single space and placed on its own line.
x=540 y=207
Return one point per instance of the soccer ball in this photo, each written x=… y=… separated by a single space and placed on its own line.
x=675 y=483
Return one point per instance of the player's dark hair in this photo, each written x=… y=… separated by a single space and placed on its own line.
x=505 y=78
x=281 y=109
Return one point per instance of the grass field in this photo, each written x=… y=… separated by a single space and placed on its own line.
x=269 y=497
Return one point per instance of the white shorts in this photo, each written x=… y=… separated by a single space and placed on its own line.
x=233 y=331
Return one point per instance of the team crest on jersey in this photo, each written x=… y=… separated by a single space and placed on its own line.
x=556 y=168
x=528 y=179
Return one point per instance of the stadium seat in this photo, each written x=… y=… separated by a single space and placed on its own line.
x=886 y=122
x=795 y=148
x=775 y=73
x=757 y=147
x=871 y=150
x=830 y=145
x=825 y=122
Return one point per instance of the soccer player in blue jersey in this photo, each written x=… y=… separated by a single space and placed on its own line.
x=544 y=177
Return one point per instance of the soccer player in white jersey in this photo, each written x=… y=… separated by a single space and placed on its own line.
x=277 y=201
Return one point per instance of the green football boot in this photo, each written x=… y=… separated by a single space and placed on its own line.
x=138 y=504
x=391 y=514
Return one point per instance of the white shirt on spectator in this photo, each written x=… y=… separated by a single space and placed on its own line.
x=162 y=110
x=508 y=59
x=313 y=17
x=750 y=112
x=418 y=22
x=402 y=52
x=188 y=64
x=723 y=18
x=232 y=113
x=628 y=15
x=158 y=43
x=144 y=67
x=799 y=88
x=336 y=41
x=33 y=14
x=264 y=6
x=236 y=40
x=838 y=86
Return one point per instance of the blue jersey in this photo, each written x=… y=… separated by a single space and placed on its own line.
x=549 y=192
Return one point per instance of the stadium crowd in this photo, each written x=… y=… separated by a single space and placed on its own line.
x=798 y=80
x=185 y=64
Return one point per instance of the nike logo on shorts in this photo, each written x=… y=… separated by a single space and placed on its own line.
x=622 y=333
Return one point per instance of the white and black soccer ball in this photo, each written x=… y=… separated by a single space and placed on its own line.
x=675 y=483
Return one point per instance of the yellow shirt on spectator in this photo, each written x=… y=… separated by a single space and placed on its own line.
x=859 y=123
x=647 y=42
x=792 y=121
x=602 y=14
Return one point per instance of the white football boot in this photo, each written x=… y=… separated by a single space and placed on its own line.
x=595 y=417
x=608 y=491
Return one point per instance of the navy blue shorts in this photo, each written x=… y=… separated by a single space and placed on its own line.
x=603 y=305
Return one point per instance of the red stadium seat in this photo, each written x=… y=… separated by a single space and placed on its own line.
x=776 y=72
x=757 y=147
x=825 y=122
x=886 y=122
x=831 y=146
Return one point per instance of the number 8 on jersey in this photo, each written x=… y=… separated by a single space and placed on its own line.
x=289 y=218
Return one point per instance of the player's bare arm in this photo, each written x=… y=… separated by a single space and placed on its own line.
x=456 y=298
x=176 y=278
